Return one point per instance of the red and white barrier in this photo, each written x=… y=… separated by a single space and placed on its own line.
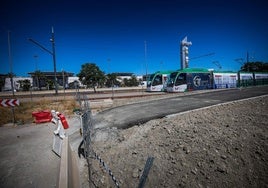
x=9 y=102
x=42 y=116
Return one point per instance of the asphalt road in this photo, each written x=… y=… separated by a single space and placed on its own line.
x=129 y=115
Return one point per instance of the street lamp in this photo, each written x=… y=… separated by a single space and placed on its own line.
x=53 y=53
x=112 y=81
x=36 y=61
x=10 y=64
x=54 y=59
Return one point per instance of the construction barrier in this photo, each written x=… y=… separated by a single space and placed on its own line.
x=42 y=116
x=63 y=121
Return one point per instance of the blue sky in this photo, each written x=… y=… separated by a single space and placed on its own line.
x=98 y=30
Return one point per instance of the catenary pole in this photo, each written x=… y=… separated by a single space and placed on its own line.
x=11 y=74
x=54 y=60
x=53 y=53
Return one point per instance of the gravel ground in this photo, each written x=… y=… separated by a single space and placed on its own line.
x=221 y=146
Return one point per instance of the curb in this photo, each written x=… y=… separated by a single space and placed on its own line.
x=68 y=172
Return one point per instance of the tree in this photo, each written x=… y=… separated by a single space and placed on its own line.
x=134 y=81
x=91 y=75
x=131 y=82
x=49 y=84
x=2 y=82
x=25 y=84
x=255 y=67
x=111 y=80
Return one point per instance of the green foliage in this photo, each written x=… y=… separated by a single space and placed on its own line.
x=255 y=67
x=111 y=80
x=91 y=76
x=131 y=82
x=50 y=84
x=2 y=82
x=25 y=84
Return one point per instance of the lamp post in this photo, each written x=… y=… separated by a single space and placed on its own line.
x=53 y=53
x=63 y=82
x=54 y=59
x=36 y=61
x=10 y=63
x=112 y=81
x=11 y=73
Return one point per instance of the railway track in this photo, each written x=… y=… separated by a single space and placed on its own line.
x=68 y=94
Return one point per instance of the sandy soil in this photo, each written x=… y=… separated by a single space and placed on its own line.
x=221 y=146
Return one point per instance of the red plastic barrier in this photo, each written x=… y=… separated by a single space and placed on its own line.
x=63 y=121
x=42 y=116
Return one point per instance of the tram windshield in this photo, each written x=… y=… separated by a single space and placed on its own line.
x=157 y=80
x=149 y=81
x=171 y=79
x=181 y=79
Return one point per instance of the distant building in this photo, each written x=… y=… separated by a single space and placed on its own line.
x=16 y=85
x=40 y=79
x=74 y=82
x=120 y=76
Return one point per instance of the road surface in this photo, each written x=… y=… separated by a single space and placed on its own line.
x=129 y=115
x=26 y=157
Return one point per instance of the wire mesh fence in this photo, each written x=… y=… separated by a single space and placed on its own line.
x=86 y=150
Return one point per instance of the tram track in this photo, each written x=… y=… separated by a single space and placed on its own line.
x=69 y=94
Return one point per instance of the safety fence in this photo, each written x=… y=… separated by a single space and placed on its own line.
x=256 y=82
x=85 y=148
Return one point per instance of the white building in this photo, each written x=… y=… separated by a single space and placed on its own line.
x=16 y=85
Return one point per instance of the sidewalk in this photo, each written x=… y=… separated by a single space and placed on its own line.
x=26 y=156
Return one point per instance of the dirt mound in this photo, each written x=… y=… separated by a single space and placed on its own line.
x=222 y=146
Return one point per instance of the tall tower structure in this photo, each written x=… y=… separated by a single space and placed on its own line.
x=184 y=53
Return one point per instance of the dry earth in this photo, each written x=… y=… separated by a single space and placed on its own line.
x=221 y=146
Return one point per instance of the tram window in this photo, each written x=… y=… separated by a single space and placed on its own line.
x=157 y=80
x=181 y=79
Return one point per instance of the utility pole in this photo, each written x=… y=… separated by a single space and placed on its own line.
x=145 y=59
x=10 y=63
x=37 y=76
x=36 y=61
x=247 y=57
x=63 y=81
x=108 y=62
x=111 y=76
x=11 y=74
x=54 y=60
x=53 y=53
